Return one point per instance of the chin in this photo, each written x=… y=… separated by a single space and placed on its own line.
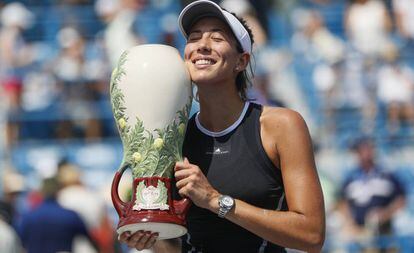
x=199 y=82
x=200 y=79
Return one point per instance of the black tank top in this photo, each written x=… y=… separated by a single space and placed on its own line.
x=235 y=164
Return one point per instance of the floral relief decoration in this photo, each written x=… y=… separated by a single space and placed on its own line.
x=147 y=154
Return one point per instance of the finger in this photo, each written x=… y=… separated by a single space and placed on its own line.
x=187 y=181
x=186 y=161
x=143 y=241
x=181 y=166
x=183 y=182
x=151 y=241
x=186 y=190
x=183 y=193
x=181 y=174
x=124 y=237
x=135 y=238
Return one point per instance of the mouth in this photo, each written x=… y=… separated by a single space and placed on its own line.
x=203 y=62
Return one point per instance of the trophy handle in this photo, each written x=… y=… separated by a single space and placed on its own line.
x=119 y=205
x=181 y=206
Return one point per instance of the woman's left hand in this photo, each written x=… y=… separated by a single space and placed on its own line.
x=192 y=183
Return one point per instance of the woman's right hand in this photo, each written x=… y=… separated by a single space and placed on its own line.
x=139 y=240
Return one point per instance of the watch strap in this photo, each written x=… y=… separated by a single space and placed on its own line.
x=222 y=212
x=223 y=208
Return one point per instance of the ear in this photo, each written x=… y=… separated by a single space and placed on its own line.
x=242 y=62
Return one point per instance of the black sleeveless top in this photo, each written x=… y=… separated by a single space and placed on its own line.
x=235 y=164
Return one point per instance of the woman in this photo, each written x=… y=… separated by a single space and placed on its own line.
x=249 y=170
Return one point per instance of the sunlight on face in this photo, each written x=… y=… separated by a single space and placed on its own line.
x=210 y=53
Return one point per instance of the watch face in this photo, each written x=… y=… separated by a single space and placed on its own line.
x=227 y=201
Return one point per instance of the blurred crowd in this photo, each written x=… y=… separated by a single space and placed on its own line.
x=346 y=66
x=62 y=214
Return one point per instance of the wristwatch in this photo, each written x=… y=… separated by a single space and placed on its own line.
x=225 y=203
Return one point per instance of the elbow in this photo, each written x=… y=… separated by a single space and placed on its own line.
x=315 y=241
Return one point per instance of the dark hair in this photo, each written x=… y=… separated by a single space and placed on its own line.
x=244 y=78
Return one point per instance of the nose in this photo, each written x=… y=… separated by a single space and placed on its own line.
x=203 y=45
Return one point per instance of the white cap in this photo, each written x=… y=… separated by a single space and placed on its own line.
x=204 y=8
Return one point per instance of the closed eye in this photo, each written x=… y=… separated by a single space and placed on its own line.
x=218 y=39
x=194 y=36
x=217 y=36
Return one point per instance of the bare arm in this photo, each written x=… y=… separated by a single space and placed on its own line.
x=303 y=225
x=351 y=228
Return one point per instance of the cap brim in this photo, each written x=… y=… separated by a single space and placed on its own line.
x=204 y=8
x=195 y=11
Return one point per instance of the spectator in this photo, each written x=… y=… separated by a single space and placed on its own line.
x=357 y=90
x=15 y=53
x=404 y=17
x=314 y=40
x=321 y=47
x=119 y=34
x=370 y=196
x=50 y=228
x=89 y=205
x=368 y=24
x=13 y=185
x=12 y=94
x=70 y=69
x=396 y=91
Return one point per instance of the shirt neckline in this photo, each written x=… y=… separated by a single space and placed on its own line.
x=225 y=131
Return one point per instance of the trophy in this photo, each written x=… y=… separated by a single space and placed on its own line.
x=151 y=99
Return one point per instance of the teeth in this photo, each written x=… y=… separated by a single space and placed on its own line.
x=204 y=62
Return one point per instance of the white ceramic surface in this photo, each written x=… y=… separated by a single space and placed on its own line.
x=155 y=86
x=164 y=230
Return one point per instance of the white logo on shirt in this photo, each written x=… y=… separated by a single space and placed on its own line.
x=217 y=151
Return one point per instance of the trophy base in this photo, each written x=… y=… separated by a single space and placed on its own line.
x=165 y=230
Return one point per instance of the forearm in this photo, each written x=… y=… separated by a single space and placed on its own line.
x=284 y=228
x=391 y=209
x=347 y=216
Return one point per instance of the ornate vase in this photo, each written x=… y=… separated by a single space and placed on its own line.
x=151 y=99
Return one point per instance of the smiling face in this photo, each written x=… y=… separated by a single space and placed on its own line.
x=210 y=53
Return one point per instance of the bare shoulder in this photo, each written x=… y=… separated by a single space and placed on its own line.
x=282 y=130
x=279 y=118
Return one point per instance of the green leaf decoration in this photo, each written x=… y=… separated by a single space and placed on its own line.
x=146 y=154
x=138 y=195
x=162 y=199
